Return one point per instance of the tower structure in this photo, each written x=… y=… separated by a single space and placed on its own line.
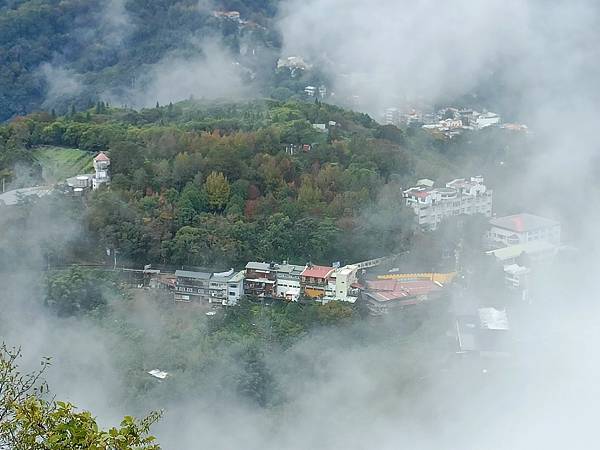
x=102 y=168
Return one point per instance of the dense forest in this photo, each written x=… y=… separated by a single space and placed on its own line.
x=219 y=184
x=55 y=54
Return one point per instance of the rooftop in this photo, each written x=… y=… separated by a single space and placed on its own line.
x=261 y=266
x=101 y=157
x=493 y=319
x=223 y=276
x=347 y=270
x=464 y=183
x=387 y=290
x=195 y=275
x=289 y=269
x=160 y=374
x=317 y=271
x=515 y=269
x=237 y=277
x=514 y=251
x=520 y=223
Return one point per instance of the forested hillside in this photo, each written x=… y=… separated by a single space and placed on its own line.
x=219 y=184
x=54 y=54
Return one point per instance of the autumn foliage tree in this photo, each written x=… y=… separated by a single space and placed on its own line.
x=218 y=190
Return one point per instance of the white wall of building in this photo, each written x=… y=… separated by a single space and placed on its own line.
x=432 y=205
x=509 y=237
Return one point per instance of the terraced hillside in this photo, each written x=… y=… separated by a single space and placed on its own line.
x=60 y=163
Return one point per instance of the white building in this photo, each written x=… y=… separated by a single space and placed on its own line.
x=516 y=276
x=102 y=167
x=524 y=228
x=487 y=119
x=432 y=205
x=344 y=278
x=224 y=288
x=310 y=91
x=235 y=288
x=391 y=116
x=288 y=281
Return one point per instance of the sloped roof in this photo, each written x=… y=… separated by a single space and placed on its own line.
x=317 y=271
x=101 y=157
x=387 y=290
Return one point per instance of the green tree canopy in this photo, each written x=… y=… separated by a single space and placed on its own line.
x=29 y=421
x=218 y=190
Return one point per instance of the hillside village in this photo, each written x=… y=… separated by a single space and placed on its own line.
x=298 y=224
x=511 y=250
x=513 y=241
x=520 y=244
x=449 y=122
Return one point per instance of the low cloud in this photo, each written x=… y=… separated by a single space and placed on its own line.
x=61 y=82
x=400 y=52
x=210 y=72
x=115 y=22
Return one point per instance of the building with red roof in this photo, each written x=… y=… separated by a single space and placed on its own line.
x=524 y=228
x=315 y=281
x=383 y=295
x=101 y=157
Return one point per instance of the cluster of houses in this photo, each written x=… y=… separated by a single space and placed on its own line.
x=511 y=239
x=292 y=283
x=520 y=243
x=448 y=121
x=515 y=241
x=268 y=280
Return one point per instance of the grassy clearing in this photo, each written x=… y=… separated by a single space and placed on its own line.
x=60 y=163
